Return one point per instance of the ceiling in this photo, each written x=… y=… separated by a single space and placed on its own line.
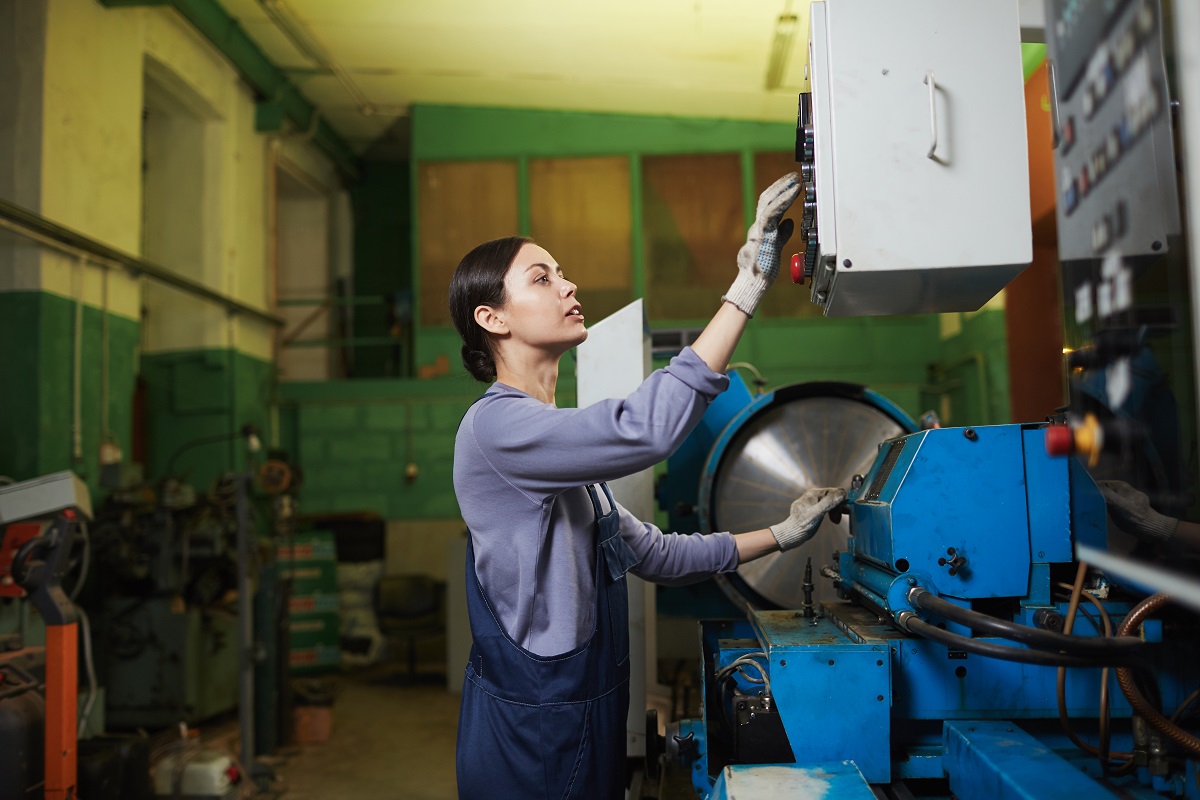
x=363 y=63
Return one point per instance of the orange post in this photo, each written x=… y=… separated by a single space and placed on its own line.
x=62 y=681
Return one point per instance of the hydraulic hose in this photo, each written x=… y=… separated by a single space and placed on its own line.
x=1125 y=679
x=1098 y=648
x=1021 y=655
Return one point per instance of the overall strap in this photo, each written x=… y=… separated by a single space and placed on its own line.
x=591 y=490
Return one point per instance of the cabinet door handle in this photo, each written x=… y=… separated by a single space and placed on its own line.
x=1055 y=120
x=932 y=84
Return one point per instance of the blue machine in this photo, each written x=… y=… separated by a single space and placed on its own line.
x=952 y=530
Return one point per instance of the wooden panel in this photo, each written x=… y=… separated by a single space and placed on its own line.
x=460 y=205
x=693 y=227
x=579 y=212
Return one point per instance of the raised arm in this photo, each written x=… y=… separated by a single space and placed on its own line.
x=542 y=450
x=758 y=267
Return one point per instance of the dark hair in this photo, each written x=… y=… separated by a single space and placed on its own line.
x=479 y=281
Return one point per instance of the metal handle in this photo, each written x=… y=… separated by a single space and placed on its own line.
x=932 y=84
x=1055 y=123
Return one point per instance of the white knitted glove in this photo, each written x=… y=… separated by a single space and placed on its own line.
x=1131 y=510
x=758 y=260
x=806 y=516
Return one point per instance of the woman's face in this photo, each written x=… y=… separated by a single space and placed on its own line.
x=541 y=309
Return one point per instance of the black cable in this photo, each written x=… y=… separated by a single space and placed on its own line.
x=1092 y=619
x=1006 y=653
x=1118 y=647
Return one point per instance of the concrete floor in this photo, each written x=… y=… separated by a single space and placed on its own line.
x=391 y=740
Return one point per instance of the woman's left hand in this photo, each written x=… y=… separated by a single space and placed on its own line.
x=807 y=512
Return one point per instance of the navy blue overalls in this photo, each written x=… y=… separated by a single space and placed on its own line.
x=549 y=727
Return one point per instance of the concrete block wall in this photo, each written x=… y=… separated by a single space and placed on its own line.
x=391 y=454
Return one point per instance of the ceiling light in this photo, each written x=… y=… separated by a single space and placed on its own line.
x=781 y=48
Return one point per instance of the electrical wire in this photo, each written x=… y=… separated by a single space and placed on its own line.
x=86 y=559
x=1021 y=655
x=1099 y=649
x=1077 y=593
x=747 y=660
x=1136 y=699
x=1091 y=618
x=1103 y=752
x=1191 y=698
x=759 y=381
x=85 y=632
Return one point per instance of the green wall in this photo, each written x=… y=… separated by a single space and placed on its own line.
x=969 y=379
x=193 y=394
x=355 y=441
x=37 y=375
x=382 y=261
x=449 y=133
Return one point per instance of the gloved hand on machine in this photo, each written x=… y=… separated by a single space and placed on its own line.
x=1130 y=509
x=758 y=260
x=807 y=512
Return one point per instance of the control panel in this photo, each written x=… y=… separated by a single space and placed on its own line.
x=1129 y=352
x=1115 y=158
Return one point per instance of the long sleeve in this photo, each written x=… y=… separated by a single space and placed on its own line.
x=676 y=559
x=542 y=450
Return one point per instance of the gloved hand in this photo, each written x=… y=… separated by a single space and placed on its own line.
x=1132 y=512
x=758 y=260
x=806 y=516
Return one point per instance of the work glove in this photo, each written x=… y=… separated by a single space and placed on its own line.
x=1131 y=510
x=758 y=260
x=806 y=516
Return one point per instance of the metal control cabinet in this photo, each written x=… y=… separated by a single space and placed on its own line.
x=918 y=187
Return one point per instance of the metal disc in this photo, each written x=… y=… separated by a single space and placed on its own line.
x=789 y=447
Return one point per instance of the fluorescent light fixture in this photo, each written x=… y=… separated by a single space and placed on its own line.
x=781 y=48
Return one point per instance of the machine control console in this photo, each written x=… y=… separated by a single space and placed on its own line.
x=806 y=155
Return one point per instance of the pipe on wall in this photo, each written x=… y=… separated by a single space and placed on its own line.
x=271 y=84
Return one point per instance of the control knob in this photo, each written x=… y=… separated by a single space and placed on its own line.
x=810 y=252
x=809 y=145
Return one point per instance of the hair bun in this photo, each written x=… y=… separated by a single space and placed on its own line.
x=479 y=363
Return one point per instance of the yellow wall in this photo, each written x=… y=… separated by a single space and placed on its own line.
x=91 y=174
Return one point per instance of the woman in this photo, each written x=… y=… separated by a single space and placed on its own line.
x=546 y=695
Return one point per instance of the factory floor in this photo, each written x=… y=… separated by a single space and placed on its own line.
x=392 y=739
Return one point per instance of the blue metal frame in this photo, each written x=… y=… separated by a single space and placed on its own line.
x=833 y=710
x=990 y=760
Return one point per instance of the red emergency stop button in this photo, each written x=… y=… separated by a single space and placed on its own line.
x=1060 y=440
x=797 y=269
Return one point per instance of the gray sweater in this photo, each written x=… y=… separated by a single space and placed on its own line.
x=520 y=468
